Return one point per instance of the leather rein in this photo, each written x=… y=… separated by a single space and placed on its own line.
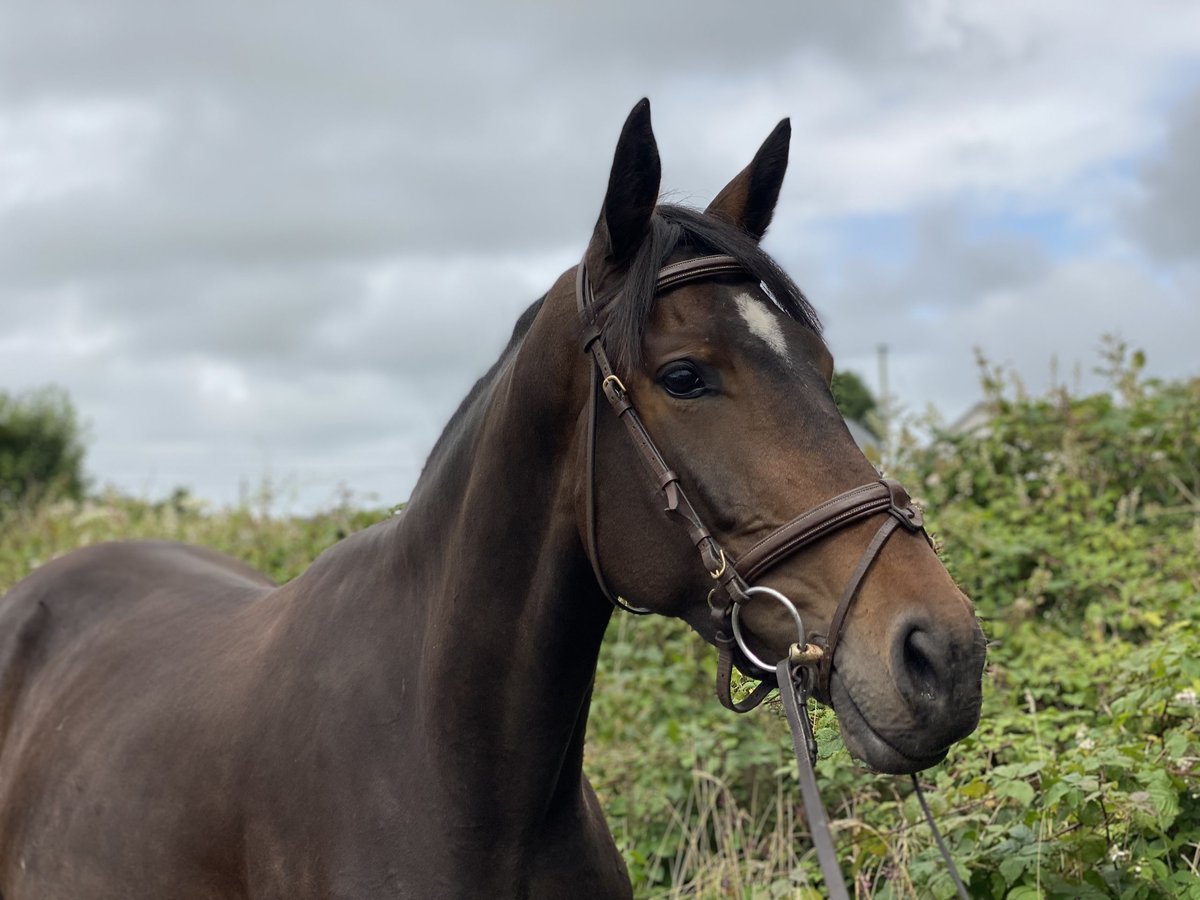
x=808 y=667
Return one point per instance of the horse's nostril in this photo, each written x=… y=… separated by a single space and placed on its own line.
x=919 y=650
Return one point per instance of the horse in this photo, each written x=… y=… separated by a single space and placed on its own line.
x=407 y=717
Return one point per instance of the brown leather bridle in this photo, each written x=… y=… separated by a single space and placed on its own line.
x=733 y=577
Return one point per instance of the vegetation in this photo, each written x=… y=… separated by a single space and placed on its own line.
x=854 y=399
x=1074 y=522
x=282 y=547
x=41 y=447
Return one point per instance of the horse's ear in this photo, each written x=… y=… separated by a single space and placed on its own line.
x=632 y=189
x=749 y=200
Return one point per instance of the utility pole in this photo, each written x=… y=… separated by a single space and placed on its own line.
x=885 y=409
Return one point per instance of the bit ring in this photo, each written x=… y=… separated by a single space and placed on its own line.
x=737 y=630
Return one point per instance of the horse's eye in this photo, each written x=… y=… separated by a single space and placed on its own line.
x=682 y=380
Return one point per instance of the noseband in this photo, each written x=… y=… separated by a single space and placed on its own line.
x=733 y=577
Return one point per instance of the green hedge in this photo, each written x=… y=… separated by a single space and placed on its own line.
x=1074 y=524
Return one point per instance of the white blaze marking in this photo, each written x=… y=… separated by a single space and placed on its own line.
x=762 y=323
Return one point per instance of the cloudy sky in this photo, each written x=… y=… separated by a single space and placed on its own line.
x=281 y=240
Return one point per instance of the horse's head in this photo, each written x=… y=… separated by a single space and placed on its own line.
x=732 y=382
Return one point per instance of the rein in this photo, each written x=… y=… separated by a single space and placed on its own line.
x=807 y=669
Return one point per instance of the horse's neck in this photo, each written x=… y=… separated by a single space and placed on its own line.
x=512 y=616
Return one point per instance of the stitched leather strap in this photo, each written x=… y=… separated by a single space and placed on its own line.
x=677 y=502
x=805 y=749
x=679 y=273
x=884 y=496
x=825 y=663
x=593 y=552
x=832 y=515
x=732 y=576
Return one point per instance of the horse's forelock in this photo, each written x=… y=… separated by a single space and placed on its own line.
x=627 y=310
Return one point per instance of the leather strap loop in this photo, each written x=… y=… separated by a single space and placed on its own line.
x=732 y=575
x=725 y=686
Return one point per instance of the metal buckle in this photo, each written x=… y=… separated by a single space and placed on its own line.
x=720 y=570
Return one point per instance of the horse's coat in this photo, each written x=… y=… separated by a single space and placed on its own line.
x=407 y=718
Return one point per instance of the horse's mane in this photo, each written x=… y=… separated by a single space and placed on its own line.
x=457 y=421
x=674 y=229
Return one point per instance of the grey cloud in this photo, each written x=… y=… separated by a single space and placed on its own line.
x=320 y=220
x=256 y=212
x=353 y=52
x=404 y=315
x=289 y=132
x=946 y=270
x=1166 y=218
x=1031 y=315
x=1001 y=293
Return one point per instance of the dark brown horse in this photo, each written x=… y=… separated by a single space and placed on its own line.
x=407 y=718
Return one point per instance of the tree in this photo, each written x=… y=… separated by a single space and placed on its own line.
x=41 y=447
x=853 y=398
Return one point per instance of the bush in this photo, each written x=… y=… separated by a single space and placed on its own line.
x=41 y=448
x=1074 y=524
x=854 y=399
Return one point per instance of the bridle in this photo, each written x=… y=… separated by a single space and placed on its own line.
x=733 y=577
x=808 y=665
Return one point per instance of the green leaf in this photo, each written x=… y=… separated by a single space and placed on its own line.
x=1024 y=892
x=1159 y=802
x=974 y=789
x=1013 y=867
x=1020 y=791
